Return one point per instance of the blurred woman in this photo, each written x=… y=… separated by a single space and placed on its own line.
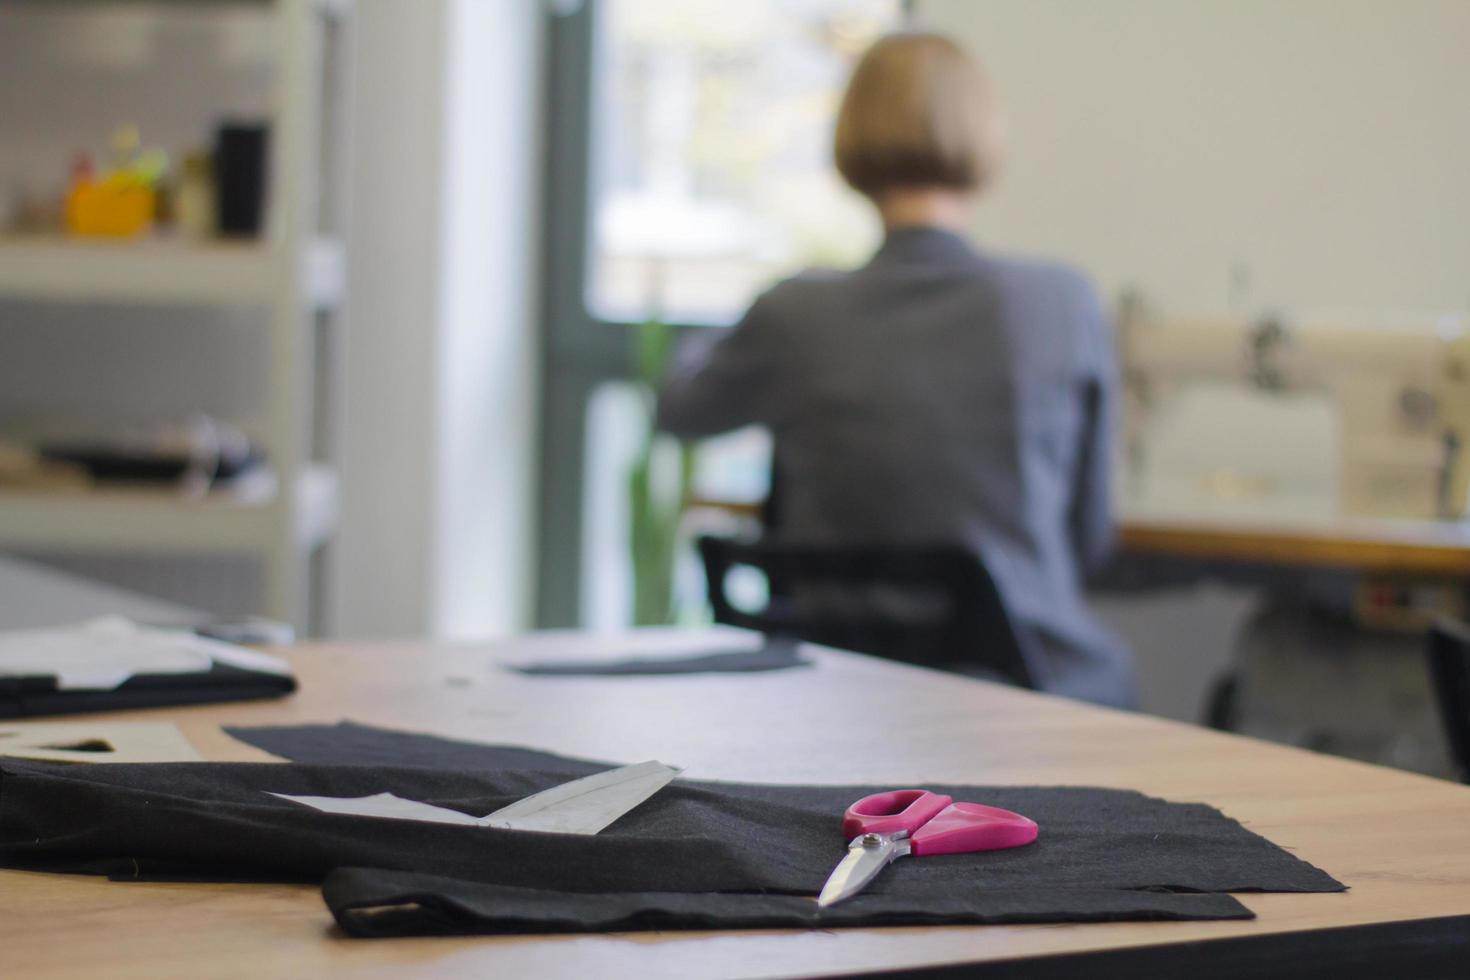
x=940 y=394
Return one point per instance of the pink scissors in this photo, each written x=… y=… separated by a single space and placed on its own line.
x=887 y=826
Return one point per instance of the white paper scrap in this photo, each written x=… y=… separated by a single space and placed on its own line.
x=98 y=655
x=103 y=653
x=97 y=742
x=586 y=805
x=582 y=806
x=383 y=805
x=245 y=658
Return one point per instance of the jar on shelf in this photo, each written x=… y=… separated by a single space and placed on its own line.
x=194 y=198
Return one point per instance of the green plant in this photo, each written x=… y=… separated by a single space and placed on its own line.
x=658 y=487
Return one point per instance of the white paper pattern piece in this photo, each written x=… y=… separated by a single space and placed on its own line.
x=103 y=653
x=582 y=806
x=119 y=741
x=586 y=805
x=383 y=805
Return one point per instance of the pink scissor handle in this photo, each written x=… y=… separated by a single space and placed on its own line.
x=965 y=827
x=888 y=813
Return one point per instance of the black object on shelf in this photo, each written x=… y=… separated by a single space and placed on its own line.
x=241 y=151
x=111 y=464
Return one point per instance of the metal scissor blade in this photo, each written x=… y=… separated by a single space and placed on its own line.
x=586 y=805
x=866 y=856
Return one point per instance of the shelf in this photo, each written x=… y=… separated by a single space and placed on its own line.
x=329 y=8
x=287 y=279
x=160 y=271
x=160 y=521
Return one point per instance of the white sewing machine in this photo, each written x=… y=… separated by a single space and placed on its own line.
x=1296 y=421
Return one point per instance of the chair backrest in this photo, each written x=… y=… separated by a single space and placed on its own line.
x=1449 y=672
x=948 y=613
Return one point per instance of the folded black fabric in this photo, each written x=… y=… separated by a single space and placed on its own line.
x=219 y=819
x=1094 y=837
x=775 y=655
x=32 y=697
x=370 y=903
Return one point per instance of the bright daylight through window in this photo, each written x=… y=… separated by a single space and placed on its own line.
x=713 y=173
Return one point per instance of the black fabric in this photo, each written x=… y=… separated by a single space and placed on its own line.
x=372 y=903
x=775 y=655
x=1102 y=854
x=31 y=697
x=1158 y=836
x=348 y=743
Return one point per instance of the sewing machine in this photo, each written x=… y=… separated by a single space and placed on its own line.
x=1294 y=421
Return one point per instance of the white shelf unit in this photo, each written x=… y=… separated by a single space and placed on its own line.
x=295 y=273
x=143 y=520
x=160 y=271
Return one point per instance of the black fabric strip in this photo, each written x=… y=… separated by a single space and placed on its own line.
x=775 y=655
x=33 y=697
x=373 y=904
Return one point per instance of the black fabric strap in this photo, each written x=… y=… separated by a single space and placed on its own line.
x=372 y=903
x=33 y=697
x=777 y=654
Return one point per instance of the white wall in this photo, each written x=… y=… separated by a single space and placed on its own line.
x=383 y=556
x=488 y=365
x=441 y=356
x=1325 y=144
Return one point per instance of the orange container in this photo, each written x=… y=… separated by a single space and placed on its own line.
x=114 y=207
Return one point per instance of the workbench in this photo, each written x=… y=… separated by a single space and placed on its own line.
x=1400 y=842
x=1426 y=549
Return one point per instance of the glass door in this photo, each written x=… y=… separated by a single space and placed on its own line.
x=689 y=168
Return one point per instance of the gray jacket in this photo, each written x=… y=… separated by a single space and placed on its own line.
x=936 y=395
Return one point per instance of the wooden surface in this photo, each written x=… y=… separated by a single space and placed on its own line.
x=1392 y=547
x=1402 y=842
x=1415 y=548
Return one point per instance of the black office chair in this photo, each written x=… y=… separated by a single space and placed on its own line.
x=1449 y=673
x=962 y=624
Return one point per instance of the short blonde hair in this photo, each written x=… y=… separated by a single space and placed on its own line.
x=918 y=112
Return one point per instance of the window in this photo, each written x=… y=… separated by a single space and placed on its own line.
x=712 y=171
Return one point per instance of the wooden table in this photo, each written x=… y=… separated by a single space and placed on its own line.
x=1435 y=549
x=1402 y=842
x=1424 y=549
